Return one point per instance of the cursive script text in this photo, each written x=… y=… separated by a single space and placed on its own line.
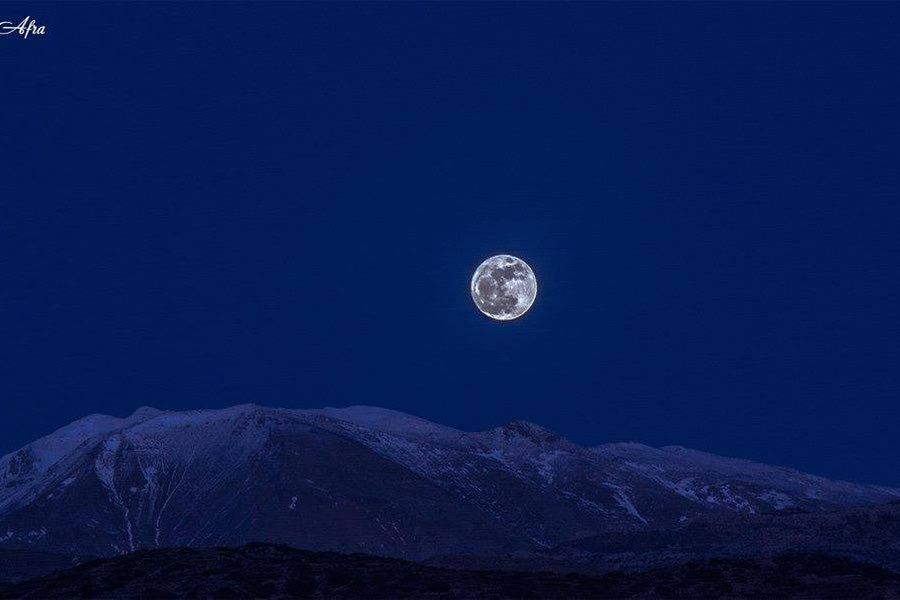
x=25 y=28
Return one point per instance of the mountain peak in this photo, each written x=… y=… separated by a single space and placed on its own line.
x=145 y=412
x=527 y=430
x=387 y=420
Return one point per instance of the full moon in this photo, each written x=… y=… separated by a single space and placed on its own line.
x=504 y=287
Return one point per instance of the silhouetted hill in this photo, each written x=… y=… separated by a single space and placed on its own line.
x=264 y=571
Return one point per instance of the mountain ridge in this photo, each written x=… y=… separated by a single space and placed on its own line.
x=367 y=479
x=144 y=413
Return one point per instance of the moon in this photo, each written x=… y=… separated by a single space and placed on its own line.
x=504 y=287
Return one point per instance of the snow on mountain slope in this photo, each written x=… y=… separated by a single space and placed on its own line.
x=26 y=470
x=740 y=485
x=365 y=479
x=386 y=420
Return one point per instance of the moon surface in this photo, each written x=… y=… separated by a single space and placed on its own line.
x=504 y=287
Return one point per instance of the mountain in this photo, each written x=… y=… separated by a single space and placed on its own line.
x=364 y=479
x=262 y=571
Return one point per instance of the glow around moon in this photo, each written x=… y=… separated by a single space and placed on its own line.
x=504 y=287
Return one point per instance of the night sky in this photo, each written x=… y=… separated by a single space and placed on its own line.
x=212 y=204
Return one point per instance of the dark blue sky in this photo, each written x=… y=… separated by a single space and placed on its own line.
x=205 y=205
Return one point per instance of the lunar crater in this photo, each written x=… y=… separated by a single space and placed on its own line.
x=504 y=287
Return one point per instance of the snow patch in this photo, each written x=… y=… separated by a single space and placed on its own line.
x=545 y=464
x=625 y=502
x=496 y=455
x=778 y=500
x=105 y=468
